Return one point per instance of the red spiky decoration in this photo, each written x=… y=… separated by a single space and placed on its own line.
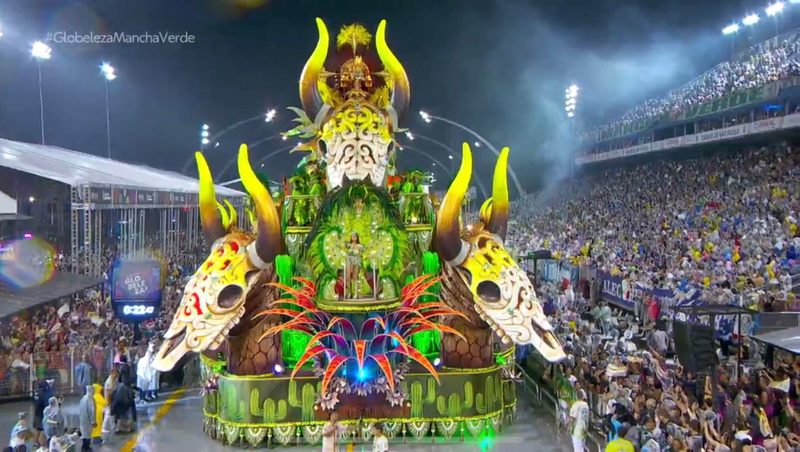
x=336 y=339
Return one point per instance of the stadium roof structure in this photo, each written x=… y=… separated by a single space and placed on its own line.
x=78 y=169
x=60 y=285
x=712 y=309
x=788 y=339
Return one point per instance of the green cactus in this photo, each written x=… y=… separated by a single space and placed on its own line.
x=255 y=403
x=293 y=401
x=480 y=406
x=230 y=401
x=489 y=391
x=454 y=405
x=468 y=395
x=273 y=414
x=417 y=400
x=239 y=415
x=309 y=398
x=445 y=406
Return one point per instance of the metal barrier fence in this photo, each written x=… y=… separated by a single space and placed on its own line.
x=18 y=377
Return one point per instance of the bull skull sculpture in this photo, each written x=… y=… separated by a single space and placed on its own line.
x=502 y=293
x=214 y=299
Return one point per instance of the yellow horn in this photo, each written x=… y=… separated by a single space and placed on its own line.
x=234 y=217
x=448 y=234
x=268 y=243
x=309 y=93
x=209 y=215
x=498 y=220
x=401 y=89
x=224 y=217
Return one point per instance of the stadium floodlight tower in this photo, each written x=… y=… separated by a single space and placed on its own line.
x=750 y=20
x=571 y=100
x=109 y=74
x=41 y=52
x=204 y=134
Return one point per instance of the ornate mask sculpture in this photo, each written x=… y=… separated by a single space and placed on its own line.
x=503 y=294
x=355 y=119
x=214 y=299
x=357 y=144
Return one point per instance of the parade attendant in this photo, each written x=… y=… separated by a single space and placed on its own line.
x=87 y=418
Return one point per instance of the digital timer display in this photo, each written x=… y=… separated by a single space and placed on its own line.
x=136 y=289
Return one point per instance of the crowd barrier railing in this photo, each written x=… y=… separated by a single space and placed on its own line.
x=18 y=375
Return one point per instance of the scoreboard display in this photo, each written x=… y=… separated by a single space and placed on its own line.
x=136 y=289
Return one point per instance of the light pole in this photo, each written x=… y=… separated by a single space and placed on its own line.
x=427 y=117
x=571 y=106
x=433 y=159
x=268 y=116
x=438 y=143
x=731 y=31
x=41 y=51
x=774 y=11
x=261 y=160
x=251 y=147
x=108 y=74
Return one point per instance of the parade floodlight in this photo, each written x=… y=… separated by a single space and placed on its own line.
x=41 y=51
x=204 y=134
x=775 y=8
x=204 y=141
x=284 y=138
x=270 y=115
x=108 y=71
x=750 y=19
x=730 y=29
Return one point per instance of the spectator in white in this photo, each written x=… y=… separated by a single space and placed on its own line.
x=579 y=420
x=331 y=433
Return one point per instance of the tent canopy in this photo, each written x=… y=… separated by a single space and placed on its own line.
x=62 y=284
x=75 y=168
x=788 y=339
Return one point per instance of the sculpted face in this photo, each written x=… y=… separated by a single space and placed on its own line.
x=357 y=144
x=213 y=301
x=503 y=295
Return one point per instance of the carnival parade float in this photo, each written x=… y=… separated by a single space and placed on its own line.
x=353 y=291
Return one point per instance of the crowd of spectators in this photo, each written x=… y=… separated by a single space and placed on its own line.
x=55 y=336
x=768 y=61
x=726 y=225
x=621 y=384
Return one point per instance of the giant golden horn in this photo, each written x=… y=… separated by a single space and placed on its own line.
x=209 y=215
x=401 y=89
x=268 y=244
x=309 y=93
x=498 y=219
x=448 y=234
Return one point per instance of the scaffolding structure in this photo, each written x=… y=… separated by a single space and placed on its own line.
x=165 y=222
x=137 y=209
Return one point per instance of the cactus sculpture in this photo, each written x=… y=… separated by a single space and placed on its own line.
x=418 y=401
x=273 y=413
x=308 y=396
x=453 y=406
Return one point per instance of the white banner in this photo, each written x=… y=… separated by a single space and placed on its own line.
x=762 y=126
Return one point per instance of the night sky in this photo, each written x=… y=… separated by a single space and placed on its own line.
x=498 y=66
